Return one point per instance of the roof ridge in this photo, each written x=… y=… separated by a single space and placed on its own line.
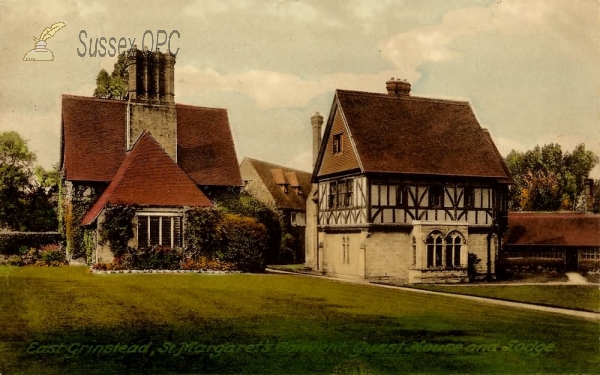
x=275 y=165
x=105 y=100
x=407 y=97
x=91 y=98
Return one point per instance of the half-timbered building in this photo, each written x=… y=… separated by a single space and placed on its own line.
x=404 y=188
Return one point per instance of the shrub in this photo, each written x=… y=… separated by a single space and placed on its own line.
x=30 y=257
x=472 y=261
x=204 y=232
x=53 y=257
x=14 y=260
x=512 y=268
x=243 y=204
x=13 y=243
x=203 y=263
x=589 y=265
x=245 y=243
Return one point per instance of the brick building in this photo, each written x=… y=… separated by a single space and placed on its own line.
x=147 y=151
x=404 y=188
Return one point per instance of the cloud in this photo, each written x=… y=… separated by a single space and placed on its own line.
x=302 y=161
x=271 y=89
x=572 y=26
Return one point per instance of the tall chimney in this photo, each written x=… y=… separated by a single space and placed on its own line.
x=317 y=122
x=151 y=76
x=398 y=87
x=589 y=194
x=151 y=105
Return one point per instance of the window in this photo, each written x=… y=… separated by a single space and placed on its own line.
x=298 y=219
x=590 y=254
x=469 y=197
x=159 y=230
x=337 y=143
x=340 y=193
x=434 y=250
x=453 y=245
x=436 y=196
x=402 y=196
x=346 y=250
x=414 y=248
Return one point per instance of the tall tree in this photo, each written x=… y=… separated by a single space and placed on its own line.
x=548 y=180
x=25 y=202
x=113 y=86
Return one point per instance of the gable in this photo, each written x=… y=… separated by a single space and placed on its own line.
x=337 y=157
x=149 y=177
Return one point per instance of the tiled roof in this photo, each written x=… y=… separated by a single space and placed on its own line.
x=93 y=137
x=292 y=177
x=205 y=148
x=149 y=177
x=564 y=229
x=94 y=132
x=418 y=136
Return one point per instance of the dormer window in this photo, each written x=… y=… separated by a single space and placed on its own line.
x=337 y=143
x=298 y=190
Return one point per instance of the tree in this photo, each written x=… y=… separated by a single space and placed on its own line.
x=25 y=202
x=113 y=86
x=548 y=180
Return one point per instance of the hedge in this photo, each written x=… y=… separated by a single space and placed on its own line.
x=11 y=242
x=509 y=268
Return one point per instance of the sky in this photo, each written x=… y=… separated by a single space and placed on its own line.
x=529 y=68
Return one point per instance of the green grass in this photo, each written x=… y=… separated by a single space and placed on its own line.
x=576 y=297
x=72 y=307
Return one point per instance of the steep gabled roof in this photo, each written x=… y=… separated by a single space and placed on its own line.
x=413 y=135
x=561 y=229
x=94 y=141
x=273 y=176
x=148 y=176
x=205 y=148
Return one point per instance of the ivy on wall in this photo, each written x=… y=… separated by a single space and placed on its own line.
x=70 y=213
x=117 y=227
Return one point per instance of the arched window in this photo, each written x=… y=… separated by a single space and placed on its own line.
x=453 y=247
x=434 y=250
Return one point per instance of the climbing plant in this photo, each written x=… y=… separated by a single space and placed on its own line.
x=117 y=227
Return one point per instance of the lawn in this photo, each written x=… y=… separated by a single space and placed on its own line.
x=577 y=297
x=67 y=321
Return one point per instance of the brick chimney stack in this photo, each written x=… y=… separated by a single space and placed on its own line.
x=317 y=122
x=151 y=76
x=398 y=87
x=151 y=105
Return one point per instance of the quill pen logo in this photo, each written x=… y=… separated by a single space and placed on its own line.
x=40 y=52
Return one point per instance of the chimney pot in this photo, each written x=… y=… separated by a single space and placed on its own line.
x=399 y=87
